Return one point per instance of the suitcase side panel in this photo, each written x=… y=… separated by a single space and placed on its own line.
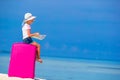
x=22 y=62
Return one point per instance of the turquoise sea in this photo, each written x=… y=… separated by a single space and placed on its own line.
x=54 y=68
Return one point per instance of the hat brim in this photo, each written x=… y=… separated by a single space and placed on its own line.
x=31 y=18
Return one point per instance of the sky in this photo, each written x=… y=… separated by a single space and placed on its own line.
x=86 y=29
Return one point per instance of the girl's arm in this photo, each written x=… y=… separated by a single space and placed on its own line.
x=30 y=35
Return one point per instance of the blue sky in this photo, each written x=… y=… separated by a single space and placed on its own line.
x=74 y=28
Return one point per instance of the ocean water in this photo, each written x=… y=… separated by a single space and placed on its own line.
x=54 y=68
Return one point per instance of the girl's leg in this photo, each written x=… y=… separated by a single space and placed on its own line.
x=38 y=52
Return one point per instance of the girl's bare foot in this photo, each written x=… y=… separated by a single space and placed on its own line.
x=39 y=60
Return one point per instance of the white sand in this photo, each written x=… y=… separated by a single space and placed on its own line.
x=5 y=77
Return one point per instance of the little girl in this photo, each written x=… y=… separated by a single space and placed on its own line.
x=28 y=20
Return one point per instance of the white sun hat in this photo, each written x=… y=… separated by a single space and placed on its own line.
x=28 y=16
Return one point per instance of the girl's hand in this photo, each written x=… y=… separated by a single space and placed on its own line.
x=37 y=34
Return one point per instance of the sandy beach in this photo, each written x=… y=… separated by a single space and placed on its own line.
x=5 y=77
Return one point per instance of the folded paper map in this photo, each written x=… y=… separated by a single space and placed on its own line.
x=39 y=37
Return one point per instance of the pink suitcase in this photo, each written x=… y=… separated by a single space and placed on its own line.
x=22 y=62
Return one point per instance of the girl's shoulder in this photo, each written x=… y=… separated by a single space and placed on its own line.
x=26 y=26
